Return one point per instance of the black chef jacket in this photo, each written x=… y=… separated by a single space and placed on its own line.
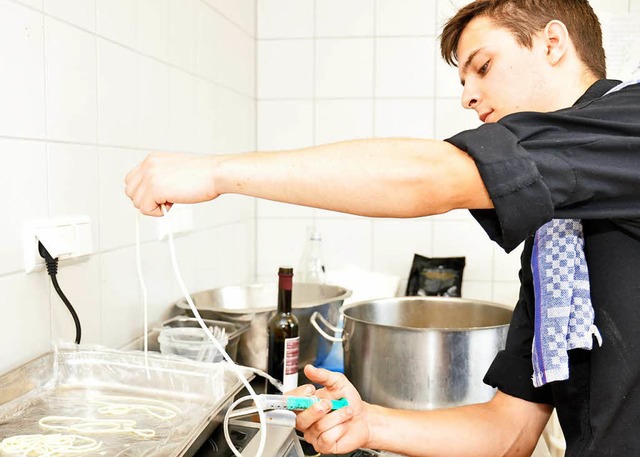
x=583 y=163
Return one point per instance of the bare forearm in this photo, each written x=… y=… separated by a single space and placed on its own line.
x=383 y=177
x=473 y=430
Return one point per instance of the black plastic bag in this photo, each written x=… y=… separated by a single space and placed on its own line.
x=435 y=276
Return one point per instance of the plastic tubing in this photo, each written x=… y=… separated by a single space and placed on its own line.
x=145 y=299
x=236 y=370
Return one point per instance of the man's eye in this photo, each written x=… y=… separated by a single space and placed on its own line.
x=484 y=68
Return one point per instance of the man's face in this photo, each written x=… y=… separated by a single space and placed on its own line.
x=499 y=75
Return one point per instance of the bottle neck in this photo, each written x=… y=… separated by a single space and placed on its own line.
x=284 y=292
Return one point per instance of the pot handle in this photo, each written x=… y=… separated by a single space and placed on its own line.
x=313 y=319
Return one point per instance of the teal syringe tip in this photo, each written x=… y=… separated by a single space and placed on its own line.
x=337 y=404
x=300 y=403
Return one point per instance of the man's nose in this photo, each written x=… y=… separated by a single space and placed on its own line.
x=469 y=97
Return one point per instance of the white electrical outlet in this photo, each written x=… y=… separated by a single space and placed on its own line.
x=64 y=237
x=178 y=219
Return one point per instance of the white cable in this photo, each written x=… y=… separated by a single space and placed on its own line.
x=144 y=296
x=236 y=370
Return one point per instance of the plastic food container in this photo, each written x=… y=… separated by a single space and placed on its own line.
x=192 y=343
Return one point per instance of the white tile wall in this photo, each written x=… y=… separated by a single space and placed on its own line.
x=92 y=87
x=397 y=240
x=183 y=33
x=37 y=4
x=152 y=101
x=338 y=120
x=152 y=28
x=64 y=181
x=26 y=323
x=285 y=18
x=23 y=180
x=117 y=69
x=285 y=124
x=182 y=119
x=116 y=20
x=235 y=56
x=121 y=311
x=234 y=245
x=404 y=117
x=22 y=82
x=77 y=12
x=70 y=76
x=404 y=67
x=285 y=68
x=336 y=18
x=241 y=13
x=343 y=67
x=405 y=17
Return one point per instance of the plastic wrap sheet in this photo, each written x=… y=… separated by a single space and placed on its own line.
x=82 y=385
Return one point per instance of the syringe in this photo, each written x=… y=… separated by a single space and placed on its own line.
x=295 y=403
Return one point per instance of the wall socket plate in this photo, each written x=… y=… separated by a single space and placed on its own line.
x=65 y=237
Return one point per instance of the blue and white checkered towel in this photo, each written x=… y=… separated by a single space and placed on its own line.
x=564 y=314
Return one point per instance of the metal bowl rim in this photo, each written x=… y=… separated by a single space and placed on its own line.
x=428 y=329
x=343 y=295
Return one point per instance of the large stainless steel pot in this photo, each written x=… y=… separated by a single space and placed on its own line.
x=422 y=353
x=256 y=304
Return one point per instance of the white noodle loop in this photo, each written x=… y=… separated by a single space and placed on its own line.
x=53 y=445
x=94 y=426
x=119 y=406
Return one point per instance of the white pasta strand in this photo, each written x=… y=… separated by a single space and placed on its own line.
x=145 y=300
x=94 y=426
x=53 y=445
x=118 y=406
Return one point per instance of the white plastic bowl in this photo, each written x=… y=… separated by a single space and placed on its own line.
x=192 y=343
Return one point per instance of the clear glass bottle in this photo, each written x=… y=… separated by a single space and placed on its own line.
x=311 y=268
x=284 y=339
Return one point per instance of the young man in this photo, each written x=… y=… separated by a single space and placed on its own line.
x=555 y=144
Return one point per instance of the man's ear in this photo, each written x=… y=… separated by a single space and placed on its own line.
x=557 y=41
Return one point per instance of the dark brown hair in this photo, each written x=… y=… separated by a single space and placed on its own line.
x=525 y=18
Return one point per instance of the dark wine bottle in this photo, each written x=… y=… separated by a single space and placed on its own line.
x=284 y=340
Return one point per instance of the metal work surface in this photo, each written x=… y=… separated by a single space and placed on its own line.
x=168 y=410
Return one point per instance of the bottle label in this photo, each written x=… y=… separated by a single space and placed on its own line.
x=290 y=369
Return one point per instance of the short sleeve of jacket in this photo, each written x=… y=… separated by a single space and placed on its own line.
x=521 y=199
x=581 y=162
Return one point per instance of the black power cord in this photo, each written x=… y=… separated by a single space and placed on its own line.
x=52 y=269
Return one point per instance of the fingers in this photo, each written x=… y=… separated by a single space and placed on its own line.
x=305 y=390
x=336 y=383
x=317 y=416
x=324 y=429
